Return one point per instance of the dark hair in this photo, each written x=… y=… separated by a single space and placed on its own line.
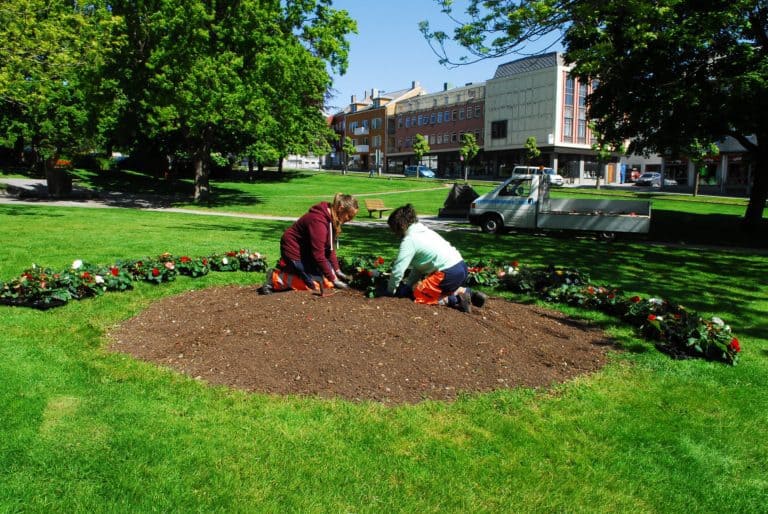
x=402 y=218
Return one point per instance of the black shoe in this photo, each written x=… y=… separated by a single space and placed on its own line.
x=265 y=289
x=465 y=302
x=478 y=298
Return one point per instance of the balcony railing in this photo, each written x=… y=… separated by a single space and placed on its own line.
x=361 y=149
x=361 y=131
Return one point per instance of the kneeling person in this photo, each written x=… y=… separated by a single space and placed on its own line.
x=438 y=270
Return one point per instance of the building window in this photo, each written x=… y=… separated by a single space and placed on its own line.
x=461 y=114
x=453 y=137
x=582 y=114
x=376 y=123
x=568 y=109
x=477 y=111
x=447 y=116
x=440 y=117
x=432 y=118
x=376 y=141
x=469 y=113
x=399 y=122
x=407 y=122
x=499 y=129
x=365 y=123
x=453 y=116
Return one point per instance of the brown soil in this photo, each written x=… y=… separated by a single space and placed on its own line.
x=345 y=345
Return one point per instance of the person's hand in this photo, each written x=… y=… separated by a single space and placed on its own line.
x=338 y=284
x=340 y=274
x=308 y=280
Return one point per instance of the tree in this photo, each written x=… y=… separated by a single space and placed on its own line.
x=532 y=151
x=420 y=148
x=669 y=71
x=697 y=152
x=246 y=77
x=468 y=150
x=50 y=96
x=347 y=149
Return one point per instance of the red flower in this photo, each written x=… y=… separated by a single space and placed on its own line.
x=86 y=275
x=185 y=259
x=651 y=317
x=205 y=262
x=515 y=264
x=114 y=271
x=611 y=296
x=634 y=299
x=735 y=346
x=155 y=272
x=591 y=290
x=379 y=261
x=231 y=254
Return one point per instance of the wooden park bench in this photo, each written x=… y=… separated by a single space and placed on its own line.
x=376 y=205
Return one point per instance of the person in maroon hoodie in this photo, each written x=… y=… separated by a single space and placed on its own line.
x=308 y=248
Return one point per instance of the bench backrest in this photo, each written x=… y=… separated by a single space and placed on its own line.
x=374 y=204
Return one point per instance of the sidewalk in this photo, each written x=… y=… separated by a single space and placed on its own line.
x=35 y=192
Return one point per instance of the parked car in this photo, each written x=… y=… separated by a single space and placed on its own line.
x=554 y=178
x=424 y=171
x=649 y=179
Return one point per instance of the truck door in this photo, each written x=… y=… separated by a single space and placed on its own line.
x=519 y=200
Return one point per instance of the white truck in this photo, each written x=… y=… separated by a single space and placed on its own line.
x=523 y=202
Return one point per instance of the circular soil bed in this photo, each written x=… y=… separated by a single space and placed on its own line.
x=346 y=345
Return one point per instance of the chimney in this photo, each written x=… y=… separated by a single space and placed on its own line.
x=353 y=100
x=415 y=84
x=374 y=93
x=447 y=86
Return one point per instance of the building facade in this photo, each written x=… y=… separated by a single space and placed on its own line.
x=442 y=118
x=368 y=122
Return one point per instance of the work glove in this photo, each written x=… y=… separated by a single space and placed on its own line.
x=340 y=274
x=338 y=284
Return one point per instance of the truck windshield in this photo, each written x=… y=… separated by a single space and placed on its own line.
x=516 y=188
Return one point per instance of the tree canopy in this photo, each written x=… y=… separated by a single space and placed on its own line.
x=171 y=79
x=669 y=71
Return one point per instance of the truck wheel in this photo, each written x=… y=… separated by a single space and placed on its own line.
x=492 y=224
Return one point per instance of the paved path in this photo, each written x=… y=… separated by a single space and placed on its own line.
x=35 y=192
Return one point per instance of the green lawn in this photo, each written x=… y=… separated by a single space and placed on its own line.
x=86 y=430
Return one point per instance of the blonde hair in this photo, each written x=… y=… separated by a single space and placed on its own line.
x=343 y=204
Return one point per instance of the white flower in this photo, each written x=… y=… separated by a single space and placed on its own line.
x=99 y=279
x=717 y=321
x=77 y=264
x=655 y=301
x=225 y=261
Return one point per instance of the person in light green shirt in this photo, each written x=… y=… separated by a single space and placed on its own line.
x=437 y=269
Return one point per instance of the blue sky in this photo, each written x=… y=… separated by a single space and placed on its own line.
x=389 y=51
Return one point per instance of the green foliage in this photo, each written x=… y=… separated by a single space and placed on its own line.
x=43 y=288
x=420 y=147
x=532 y=151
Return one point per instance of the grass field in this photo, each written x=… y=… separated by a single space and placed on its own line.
x=84 y=430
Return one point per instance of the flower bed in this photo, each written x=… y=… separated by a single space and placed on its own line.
x=43 y=288
x=675 y=330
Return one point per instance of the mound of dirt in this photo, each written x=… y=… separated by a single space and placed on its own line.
x=346 y=345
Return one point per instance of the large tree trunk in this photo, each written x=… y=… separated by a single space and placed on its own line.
x=202 y=176
x=753 y=217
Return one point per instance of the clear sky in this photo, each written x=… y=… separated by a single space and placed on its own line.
x=389 y=52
